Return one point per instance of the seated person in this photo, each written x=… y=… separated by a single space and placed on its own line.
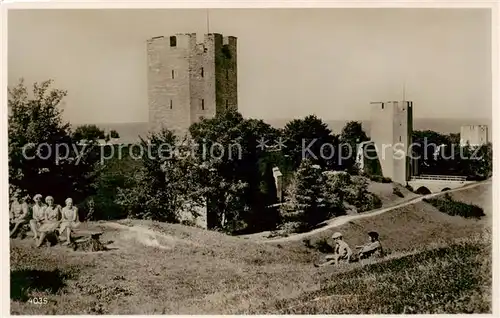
x=38 y=215
x=341 y=251
x=372 y=248
x=69 y=219
x=19 y=213
x=52 y=219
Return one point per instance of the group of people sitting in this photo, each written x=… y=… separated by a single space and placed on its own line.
x=343 y=253
x=43 y=218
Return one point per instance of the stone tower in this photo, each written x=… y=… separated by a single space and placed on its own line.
x=391 y=128
x=474 y=135
x=189 y=80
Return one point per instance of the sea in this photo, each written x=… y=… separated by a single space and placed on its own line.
x=132 y=131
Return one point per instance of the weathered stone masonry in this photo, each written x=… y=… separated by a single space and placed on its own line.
x=188 y=80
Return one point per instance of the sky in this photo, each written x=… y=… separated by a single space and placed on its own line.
x=291 y=62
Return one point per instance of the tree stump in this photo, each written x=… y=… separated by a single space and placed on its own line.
x=89 y=244
x=52 y=238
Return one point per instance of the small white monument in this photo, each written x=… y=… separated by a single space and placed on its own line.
x=278 y=181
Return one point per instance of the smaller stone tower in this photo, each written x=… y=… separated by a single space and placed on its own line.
x=391 y=131
x=189 y=80
x=474 y=135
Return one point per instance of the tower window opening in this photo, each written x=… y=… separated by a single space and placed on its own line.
x=173 y=41
x=202 y=104
x=400 y=138
x=227 y=103
x=382 y=105
x=202 y=72
x=227 y=74
x=173 y=74
x=171 y=104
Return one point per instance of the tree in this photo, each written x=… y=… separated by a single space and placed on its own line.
x=443 y=154
x=305 y=197
x=43 y=158
x=166 y=181
x=310 y=138
x=352 y=134
x=88 y=132
x=228 y=146
x=429 y=147
x=315 y=195
x=114 y=134
x=115 y=173
x=474 y=162
x=483 y=161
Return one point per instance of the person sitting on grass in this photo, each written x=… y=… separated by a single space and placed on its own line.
x=69 y=219
x=19 y=213
x=341 y=252
x=38 y=215
x=372 y=248
x=52 y=220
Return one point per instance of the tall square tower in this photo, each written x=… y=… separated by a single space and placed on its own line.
x=189 y=80
x=391 y=128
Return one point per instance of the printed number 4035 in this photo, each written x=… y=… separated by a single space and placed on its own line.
x=38 y=300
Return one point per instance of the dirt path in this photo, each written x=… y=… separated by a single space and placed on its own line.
x=341 y=220
x=147 y=237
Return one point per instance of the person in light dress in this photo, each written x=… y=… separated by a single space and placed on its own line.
x=69 y=220
x=38 y=215
x=52 y=219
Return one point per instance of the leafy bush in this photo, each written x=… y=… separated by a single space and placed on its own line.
x=449 y=206
x=314 y=196
x=371 y=202
x=310 y=198
x=355 y=192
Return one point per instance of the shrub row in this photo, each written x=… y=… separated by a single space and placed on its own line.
x=447 y=205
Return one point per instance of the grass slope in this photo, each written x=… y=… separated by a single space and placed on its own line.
x=415 y=226
x=155 y=268
x=385 y=192
x=446 y=280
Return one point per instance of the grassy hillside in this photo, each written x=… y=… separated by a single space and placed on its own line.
x=414 y=226
x=156 y=268
x=163 y=268
x=385 y=192
x=446 y=280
